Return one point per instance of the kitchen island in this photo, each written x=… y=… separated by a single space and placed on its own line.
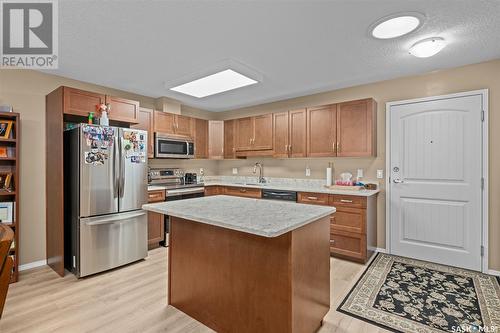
x=249 y=265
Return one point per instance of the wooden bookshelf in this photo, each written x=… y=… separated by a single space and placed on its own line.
x=10 y=164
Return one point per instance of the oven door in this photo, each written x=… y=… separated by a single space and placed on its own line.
x=172 y=148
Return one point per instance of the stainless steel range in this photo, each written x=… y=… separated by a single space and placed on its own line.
x=178 y=186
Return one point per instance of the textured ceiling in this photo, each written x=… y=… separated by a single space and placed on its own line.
x=295 y=47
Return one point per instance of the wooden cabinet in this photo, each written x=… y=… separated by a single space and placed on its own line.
x=216 y=139
x=80 y=102
x=229 y=139
x=243 y=192
x=145 y=122
x=213 y=190
x=356 y=128
x=200 y=138
x=164 y=122
x=123 y=110
x=353 y=227
x=183 y=125
x=156 y=226
x=289 y=134
x=254 y=133
x=321 y=131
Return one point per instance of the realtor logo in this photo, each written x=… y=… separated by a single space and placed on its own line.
x=29 y=34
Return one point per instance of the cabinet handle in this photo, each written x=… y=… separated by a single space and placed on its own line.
x=338 y=147
x=332 y=241
x=312 y=198
x=242 y=190
x=333 y=147
x=345 y=201
x=290 y=148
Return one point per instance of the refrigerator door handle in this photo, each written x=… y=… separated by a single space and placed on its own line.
x=113 y=219
x=122 y=169
x=116 y=165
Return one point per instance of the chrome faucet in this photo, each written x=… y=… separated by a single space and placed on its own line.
x=261 y=168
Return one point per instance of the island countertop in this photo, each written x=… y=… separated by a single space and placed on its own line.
x=268 y=218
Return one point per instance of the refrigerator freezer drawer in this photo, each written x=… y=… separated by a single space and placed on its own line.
x=112 y=240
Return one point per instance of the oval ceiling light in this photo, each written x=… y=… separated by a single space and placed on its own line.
x=427 y=47
x=396 y=25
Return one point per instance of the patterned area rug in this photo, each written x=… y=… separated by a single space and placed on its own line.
x=407 y=295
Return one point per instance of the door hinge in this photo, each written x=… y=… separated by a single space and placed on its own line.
x=482 y=251
x=482 y=183
x=482 y=115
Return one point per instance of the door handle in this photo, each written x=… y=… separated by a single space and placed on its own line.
x=398 y=181
x=117 y=218
x=121 y=189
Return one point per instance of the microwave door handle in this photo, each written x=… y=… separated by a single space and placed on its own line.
x=187 y=148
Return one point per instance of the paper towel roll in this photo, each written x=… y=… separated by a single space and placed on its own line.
x=328 y=176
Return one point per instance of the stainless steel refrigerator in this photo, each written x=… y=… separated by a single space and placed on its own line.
x=105 y=179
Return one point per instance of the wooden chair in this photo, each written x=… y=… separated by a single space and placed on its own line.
x=6 y=263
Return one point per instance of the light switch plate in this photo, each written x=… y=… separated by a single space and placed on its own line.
x=308 y=172
x=235 y=171
x=380 y=174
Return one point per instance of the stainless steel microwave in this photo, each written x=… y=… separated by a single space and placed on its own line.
x=169 y=146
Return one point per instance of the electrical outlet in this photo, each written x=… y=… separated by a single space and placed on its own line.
x=201 y=171
x=308 y=172
x=380 y=174
x=235 y=171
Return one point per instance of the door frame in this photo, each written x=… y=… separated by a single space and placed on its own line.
x=485 y=159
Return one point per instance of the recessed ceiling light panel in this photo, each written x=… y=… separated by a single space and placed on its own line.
x=396 y=25
x=214 y=84
x=428 y=47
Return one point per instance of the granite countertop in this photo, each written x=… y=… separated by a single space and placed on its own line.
x=268 y=218
x=294 y=187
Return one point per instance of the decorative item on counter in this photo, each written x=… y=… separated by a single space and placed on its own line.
x=370 y=186
x=99 y=139
x=329 y=174
x=345 y=179
x=359 y=175
x=5 y=128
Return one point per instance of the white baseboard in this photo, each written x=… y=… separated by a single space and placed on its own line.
x=381 y=250
x=493 y=272
x=33 y=265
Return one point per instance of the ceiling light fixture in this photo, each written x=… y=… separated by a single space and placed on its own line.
x=396 y=25
x=214 y=84
x=427 y=47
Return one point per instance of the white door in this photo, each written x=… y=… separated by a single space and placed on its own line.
x=435 y=180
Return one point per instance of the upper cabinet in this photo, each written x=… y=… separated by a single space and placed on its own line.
x=254 y=133
x=289 y=133
x=80 y=103
x=321 y=131
x=229 y=139
x=145 y=122
x=357 y=128
x=170 y=123
x=121 y=109
x=216 y=139
x=200 y=138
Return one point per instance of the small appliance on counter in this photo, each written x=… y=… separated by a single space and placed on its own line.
x=178 y=186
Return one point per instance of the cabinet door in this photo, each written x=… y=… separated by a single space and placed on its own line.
x=280 y=134
x=350 y=245
x=298 y=129
x=321 y=131
x=201 y=138
x=244 y=134
x=216 y=139
x=229 y=133
x=356 y=128
x=212 y=190
x=145 y=123
x=243 y=192
x=164 y=122
x=81 y=103
x=122 y=109
x=183 y=125
x=156 y=229
x=263 y=132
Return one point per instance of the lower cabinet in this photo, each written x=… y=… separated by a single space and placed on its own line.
x=353 y=228
x=156 y=227
x=243 y=192
x=213 y=190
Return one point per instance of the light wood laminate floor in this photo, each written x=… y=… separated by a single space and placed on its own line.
x=132 y=299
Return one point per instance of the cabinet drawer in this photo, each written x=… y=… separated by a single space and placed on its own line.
x=156 y=195
x=312 y=198
x=350 y=220
x=348 y=245
x=339 y=200
x=212 y=190
x=243 y=192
